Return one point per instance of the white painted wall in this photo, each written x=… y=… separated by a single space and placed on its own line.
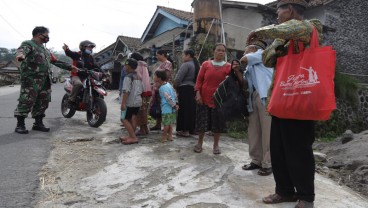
x=243 y=18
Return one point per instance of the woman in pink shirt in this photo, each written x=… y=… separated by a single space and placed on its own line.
x=209 y=118
x=165 y=65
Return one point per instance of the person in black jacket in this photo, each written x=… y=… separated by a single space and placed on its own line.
x=81 y=59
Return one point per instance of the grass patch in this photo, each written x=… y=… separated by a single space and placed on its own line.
x=326 y=139
x=237 y=129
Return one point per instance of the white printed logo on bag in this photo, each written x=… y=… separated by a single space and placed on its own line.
x=304 y=80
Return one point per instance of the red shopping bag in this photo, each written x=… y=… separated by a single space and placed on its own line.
x=303 y=85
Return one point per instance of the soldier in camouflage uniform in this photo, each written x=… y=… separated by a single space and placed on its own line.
x=35 y=75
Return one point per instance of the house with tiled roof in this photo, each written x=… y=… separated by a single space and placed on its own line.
x=108 y=57
x=344 y=22
x=168 y=29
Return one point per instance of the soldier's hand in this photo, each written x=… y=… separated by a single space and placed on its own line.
x=65 y=47
x=20 y=57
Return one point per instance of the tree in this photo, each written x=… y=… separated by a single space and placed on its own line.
x=7 y=55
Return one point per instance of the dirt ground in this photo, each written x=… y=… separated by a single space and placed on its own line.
x=347 y=163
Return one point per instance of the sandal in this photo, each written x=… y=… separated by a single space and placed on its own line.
x=275 y=199
x=251 y=166
x=197 y=149
x=265 y=171
x=216 y=151
x=163 y=140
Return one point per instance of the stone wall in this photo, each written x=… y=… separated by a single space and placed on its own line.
x=350 y=19
x=355 y=115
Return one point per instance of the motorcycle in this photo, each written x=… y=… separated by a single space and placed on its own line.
x=89 y=99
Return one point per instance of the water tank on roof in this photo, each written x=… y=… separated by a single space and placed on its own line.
x=204 y=12
x=206 y=9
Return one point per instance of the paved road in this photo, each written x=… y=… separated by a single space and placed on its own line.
x=22 y=156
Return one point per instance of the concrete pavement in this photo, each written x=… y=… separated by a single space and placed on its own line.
x=90 y=168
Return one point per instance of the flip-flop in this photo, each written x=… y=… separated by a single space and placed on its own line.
x=197 y=149
x=130 y=141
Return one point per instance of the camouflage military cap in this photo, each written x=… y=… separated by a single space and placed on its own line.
x=302 y=3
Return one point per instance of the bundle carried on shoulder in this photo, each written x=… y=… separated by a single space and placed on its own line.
x=230 y=100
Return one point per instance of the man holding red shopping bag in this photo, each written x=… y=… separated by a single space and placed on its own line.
x=302 y=91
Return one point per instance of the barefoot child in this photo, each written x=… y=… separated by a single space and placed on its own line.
x=168 y=104
x=131 y=101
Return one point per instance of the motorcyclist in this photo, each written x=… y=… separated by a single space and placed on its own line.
x=81 y=59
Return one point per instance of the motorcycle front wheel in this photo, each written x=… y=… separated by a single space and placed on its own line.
x=66 y=109
x=97 y=115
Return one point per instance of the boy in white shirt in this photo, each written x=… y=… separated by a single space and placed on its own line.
x=131 y=101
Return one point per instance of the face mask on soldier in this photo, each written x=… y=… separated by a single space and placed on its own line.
x=45 y=38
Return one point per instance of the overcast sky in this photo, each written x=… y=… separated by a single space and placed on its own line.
x=71 y=21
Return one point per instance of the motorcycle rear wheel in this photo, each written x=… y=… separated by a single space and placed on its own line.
x=97 y=115
x=66 y=110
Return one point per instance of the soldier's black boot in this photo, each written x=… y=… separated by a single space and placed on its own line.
x=21 y=127
x=39 y=126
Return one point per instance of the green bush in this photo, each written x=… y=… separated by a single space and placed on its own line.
x=346 y=88
x=331 y=128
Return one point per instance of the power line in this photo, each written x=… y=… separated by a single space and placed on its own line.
x=238 y=26
x=10 y=25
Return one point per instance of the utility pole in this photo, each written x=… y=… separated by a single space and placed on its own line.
x=173 y=48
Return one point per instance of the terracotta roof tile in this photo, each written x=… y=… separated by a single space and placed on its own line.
x=131 y=42
x=178 y=13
